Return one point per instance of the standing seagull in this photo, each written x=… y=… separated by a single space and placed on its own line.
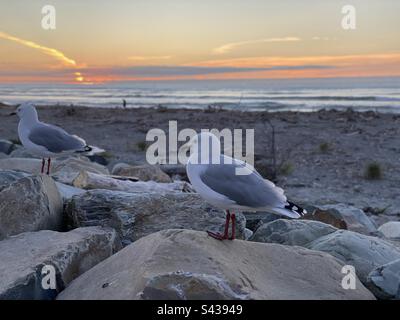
x=46 y=140
x=232 y=184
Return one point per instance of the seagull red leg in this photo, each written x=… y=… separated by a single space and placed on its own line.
x=233 y=217
x=43 y=164
x=220 y=236
x=48 y=166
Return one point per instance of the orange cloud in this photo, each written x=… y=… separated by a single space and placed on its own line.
x=344 y=60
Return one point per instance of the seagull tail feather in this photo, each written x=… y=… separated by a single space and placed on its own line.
x=290 y=210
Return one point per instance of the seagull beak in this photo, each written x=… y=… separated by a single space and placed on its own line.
x=12 y=114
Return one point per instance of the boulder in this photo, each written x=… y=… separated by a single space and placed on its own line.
x=187 y=264
x=6 y=146
x=292 y=232
x=144 y=172
x=344 y=217
x=71 y=254
x=89 y=180
x=363 y=252
x=66 y=171
x=21 y=164
x=67 y=192
x=135 y=215
x=384 y=281
x=391 y=230
x=29 y=204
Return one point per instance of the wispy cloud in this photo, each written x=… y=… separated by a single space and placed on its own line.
x=339 y=60
x=46 y=50
x=56 y=54
x=230 y=46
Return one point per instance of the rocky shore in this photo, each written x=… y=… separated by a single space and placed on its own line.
x=114 y=227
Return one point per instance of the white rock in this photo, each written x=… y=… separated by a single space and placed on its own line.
x=88 y=180
x=391 y=230
x=144 y=172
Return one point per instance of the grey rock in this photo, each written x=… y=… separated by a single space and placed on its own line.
x=143 y=172
x=391 y=230
x=21 y=152
x=135 y=215
x=64 y=171
x=27 y=165
x=384 y=281
x=344 y=217
x=254 y=220
x=8 y=176
x=71 y=254
x=363 y=252
x=6 y=146
x=29 y=204
x=3 y=156
x=67 y=192
x=292 y=232
x=187 y=264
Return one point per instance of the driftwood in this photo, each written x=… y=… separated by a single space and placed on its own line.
x=89 y=180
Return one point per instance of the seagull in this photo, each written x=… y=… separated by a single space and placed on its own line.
x=46 y=140
x=231 y=184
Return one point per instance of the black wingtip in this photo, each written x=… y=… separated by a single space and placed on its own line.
x=295 y=208
x=85 y=149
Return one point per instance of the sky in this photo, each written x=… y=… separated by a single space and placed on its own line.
x=97 y=41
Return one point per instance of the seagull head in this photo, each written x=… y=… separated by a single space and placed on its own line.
x=27 y=111
x=206 y=147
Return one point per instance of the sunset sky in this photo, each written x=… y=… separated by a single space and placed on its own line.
x=123 y=40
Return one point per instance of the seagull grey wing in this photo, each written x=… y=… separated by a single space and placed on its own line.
x=249 y=190
x=55 y=139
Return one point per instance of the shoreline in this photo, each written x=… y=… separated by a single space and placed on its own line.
x=218 y=108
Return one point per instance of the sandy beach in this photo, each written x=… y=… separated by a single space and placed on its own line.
x=324 y=154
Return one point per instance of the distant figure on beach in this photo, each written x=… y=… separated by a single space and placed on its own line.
x=46 y=140
x=124 y=103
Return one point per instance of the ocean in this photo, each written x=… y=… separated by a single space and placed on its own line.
x=360 y=94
